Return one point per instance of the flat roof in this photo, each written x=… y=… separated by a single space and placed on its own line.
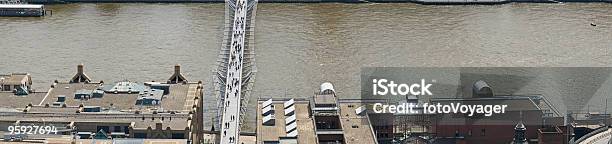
x=357 y=128
x=118 y=140
x=305 y=123
x=20 y=6
x=514 y=104
x=13 y=78
x=121 y=101
x=52 y=109
x=519 y=109
x=325 y=99
x=174 y=121
x=181 y=98
x=11 y=101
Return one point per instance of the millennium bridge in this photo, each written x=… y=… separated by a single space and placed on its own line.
x=234 y=75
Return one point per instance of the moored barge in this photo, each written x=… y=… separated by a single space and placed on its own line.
x=22 y=10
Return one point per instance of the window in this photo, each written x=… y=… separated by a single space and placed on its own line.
x=178 y=136
x=482 y=132
x=105 y=128
x=117 y=128
x=140 y=135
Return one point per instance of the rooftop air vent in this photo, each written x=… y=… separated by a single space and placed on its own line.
x=267 y=110
x=269 y=120
x=267 y=103
x=289 y=103
x=290 y=110
x=360 y=110
x=290 y=119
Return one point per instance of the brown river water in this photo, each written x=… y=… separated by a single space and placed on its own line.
x=299 y=46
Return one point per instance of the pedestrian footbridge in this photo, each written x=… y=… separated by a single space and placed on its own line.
x=234 y=75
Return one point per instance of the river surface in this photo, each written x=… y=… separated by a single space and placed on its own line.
x=299 y=46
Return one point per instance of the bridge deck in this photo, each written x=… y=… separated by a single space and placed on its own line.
x=230 y=122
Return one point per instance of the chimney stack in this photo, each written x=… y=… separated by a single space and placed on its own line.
x=80 y=75
x=177 y=77
x=80 y=69
x=177 y=69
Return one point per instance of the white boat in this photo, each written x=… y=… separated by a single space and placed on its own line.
x=22 y=10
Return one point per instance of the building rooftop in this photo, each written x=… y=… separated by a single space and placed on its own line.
x=172 y=114
x=357 y=128
x=277 y=132
x=119 y=141
x=180 y=98
x=514 y=104
x=121 y=101
x=519 y=109
x=53 y=109
x=13 y=78
x=173 y=122
x=93 y=106
x=141 y=121
x=123 y=87
x=325 y=99
x=11 y=101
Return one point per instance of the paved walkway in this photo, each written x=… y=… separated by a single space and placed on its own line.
x=230 y=123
